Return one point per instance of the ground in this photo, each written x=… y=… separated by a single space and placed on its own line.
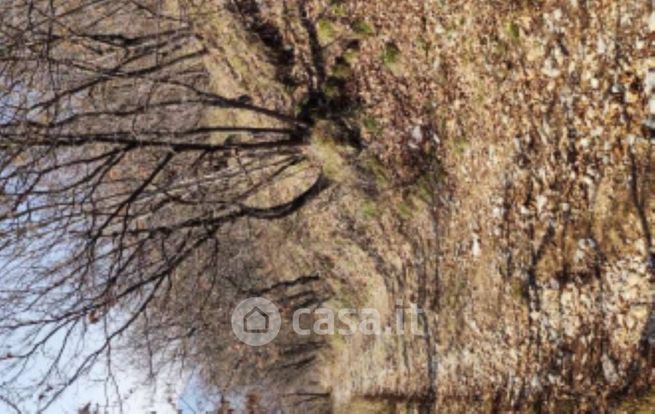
x=490 y=162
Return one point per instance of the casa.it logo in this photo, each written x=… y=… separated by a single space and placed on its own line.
x=256 y=321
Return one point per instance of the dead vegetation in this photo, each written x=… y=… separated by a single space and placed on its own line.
x=520 y=126
x=488 y=162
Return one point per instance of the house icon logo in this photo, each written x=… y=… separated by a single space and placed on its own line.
x=256 y=321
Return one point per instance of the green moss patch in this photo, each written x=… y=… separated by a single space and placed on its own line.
x=362 y=28
x=325 y=31
x=391 y=58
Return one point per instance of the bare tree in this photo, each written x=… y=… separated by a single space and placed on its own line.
x=112 y=181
